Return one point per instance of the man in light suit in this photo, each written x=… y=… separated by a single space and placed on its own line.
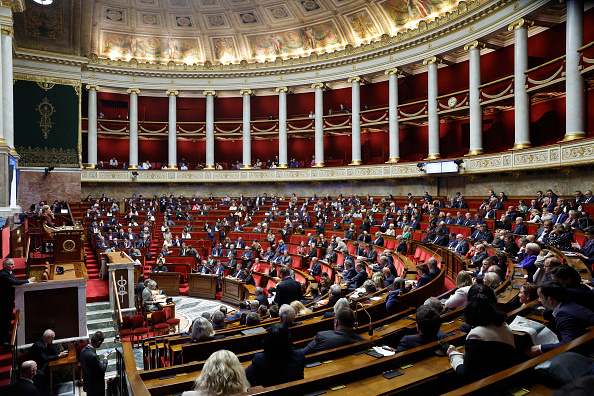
x=571 y=319
x=462 y=246
x=343 y=333
x=93 y=368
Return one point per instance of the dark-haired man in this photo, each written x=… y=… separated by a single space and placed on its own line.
x=93 y=368
x=428 y=324
x=571 y=319
x=343 y=333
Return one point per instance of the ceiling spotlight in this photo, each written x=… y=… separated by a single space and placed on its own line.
x=134 y=174
x=459 y=162
x=48 y=170
x=44 y=2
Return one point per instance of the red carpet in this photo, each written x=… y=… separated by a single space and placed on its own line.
x=97 y=290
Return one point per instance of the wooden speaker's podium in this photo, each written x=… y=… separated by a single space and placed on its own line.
x=233 y=290
x=121 y=268
x=68 y=243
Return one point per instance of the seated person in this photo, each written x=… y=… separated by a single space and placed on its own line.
x=571 y=319
x=428 y=324
x=279 y=362
x=148 y=296
x=490 y=346
x=342 y=334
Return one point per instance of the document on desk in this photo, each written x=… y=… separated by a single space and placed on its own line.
x=539 y=333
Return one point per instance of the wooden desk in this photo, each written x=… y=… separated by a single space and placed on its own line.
x=204 y=286
x=233 y=290
x=65 y=363
x=167 y=281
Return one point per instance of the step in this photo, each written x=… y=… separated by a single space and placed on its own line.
x=97 y=324
x=5 y=357
x=98 y=306
x=105 y=314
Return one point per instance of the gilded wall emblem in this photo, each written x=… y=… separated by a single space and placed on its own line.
x=46 y=110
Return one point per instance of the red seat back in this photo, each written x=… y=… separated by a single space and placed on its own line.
x=158 y=317
x=137 y=321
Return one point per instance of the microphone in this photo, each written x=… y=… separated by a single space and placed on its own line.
x=370 y=322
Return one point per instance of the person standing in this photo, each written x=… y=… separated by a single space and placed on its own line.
x=7 y=283
x=93 y=368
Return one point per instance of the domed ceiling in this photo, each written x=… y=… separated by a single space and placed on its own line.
x=219 y=31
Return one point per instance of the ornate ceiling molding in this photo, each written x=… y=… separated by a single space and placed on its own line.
x=465 y=15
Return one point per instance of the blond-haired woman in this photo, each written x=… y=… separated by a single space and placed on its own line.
x=222 y=374
x=460 y=296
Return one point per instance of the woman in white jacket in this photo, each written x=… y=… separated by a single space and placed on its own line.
x=460 y=296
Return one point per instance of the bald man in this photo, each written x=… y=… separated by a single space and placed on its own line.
x=24 y=385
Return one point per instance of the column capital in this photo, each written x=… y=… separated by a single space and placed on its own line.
x=92 y=87
x=318 y=85
x=171 y=92
x=356 y=79
x=474 y=45
x=246 y=91
x=133 y=91
x=210 y=93
x=282 y=89
x=432 y=59
x=14 y=5
x=520 y=24
x=393 y=70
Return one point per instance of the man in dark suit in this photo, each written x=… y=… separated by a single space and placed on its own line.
x=558 y=216
x=42 y=352
x=479 y=255
x=335 y=294
x=542 y=234
x=357 y=280
x=440 y=239
x=259 y=293
x=428 y=324
x=288 y=290
x=433 y=268
x=93 y=368
x=343 y=333
x=24 y=385
x=520 y=228
x=7 y=283
x=571 y=319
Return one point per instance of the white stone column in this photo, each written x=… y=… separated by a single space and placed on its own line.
x=7 y=77
x=319 y=124
x=575 y=102
x=247 y=125
x=210 y=95
x=172 y=135
x=92 y=127
x=394 y=132
x=521 y=98
x=133 y=160
x=3 y=143
x=432 y=88
x=356 y=120
x=474 y=103
x=283 y=161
